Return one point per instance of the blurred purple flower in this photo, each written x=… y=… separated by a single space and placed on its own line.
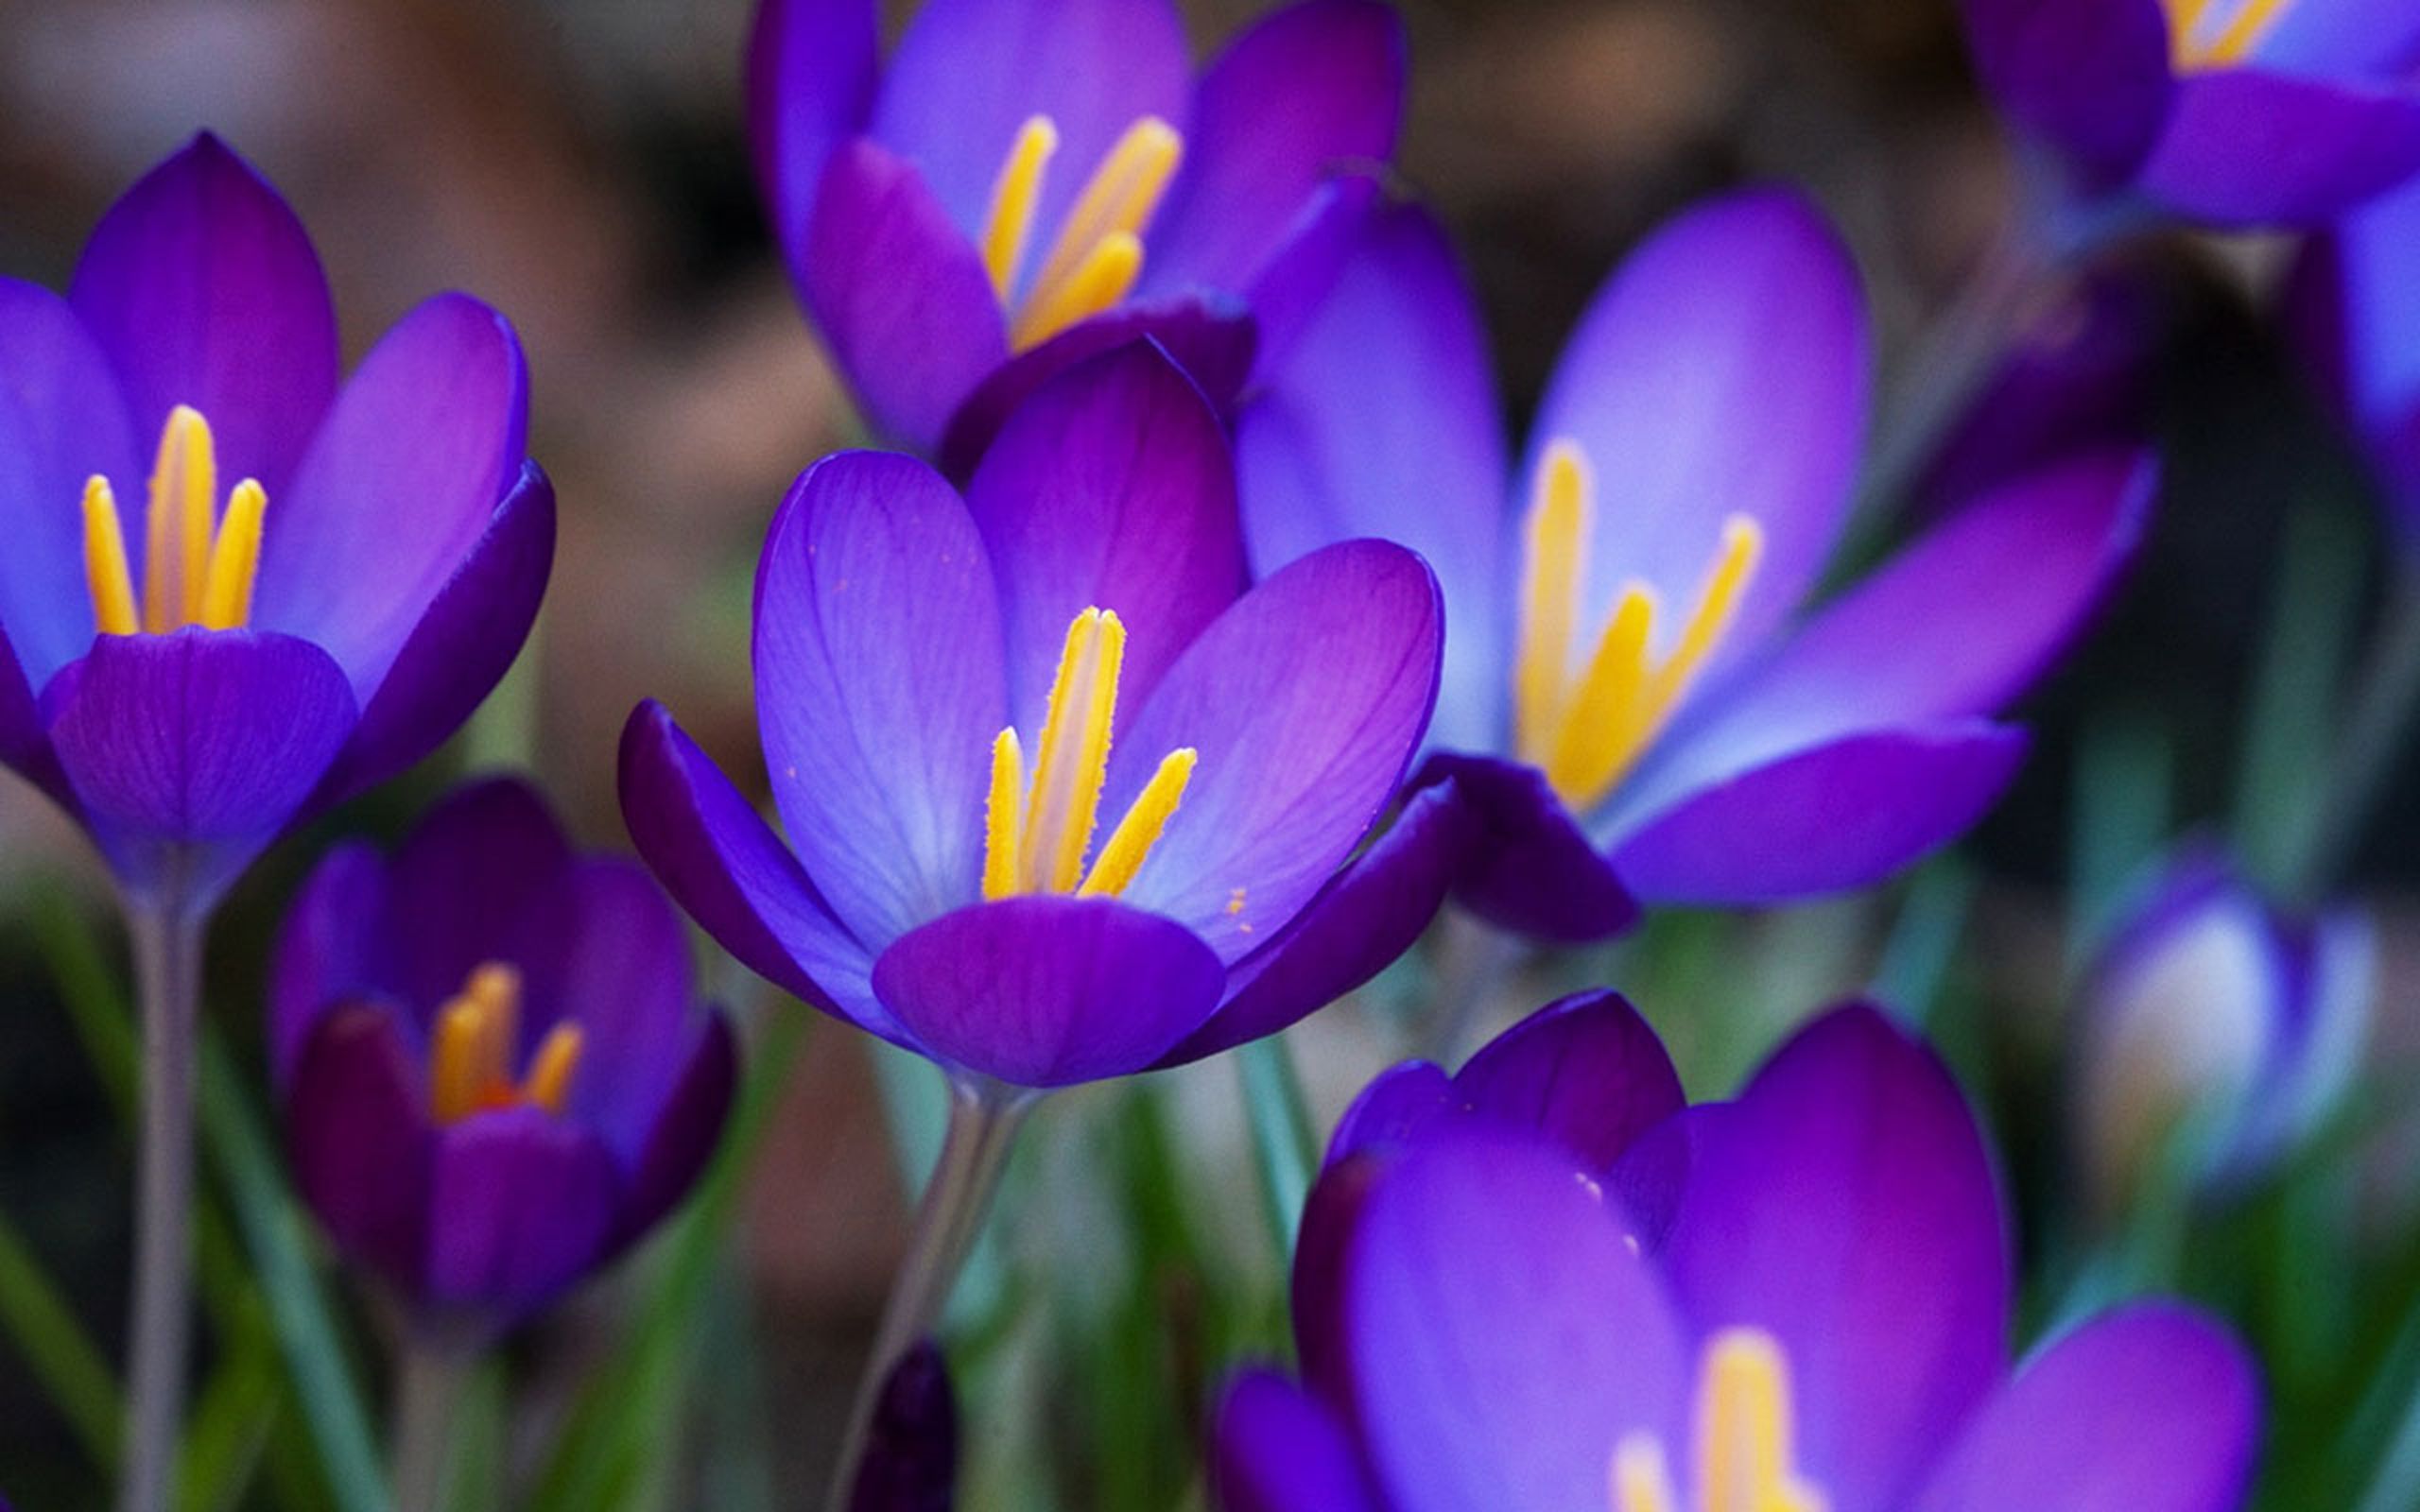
x=188 y=679
x=2352 y=310
x=1797 y=1299
x=2232 y=113
x=494 y=1071
x=937 y=682
x=1026 y=183
x=1629 y=704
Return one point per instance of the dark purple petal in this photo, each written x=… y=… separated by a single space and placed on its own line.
x=2248 y=147
x=61 y=421
x=462 y=647
x=358 y=1140
x=1722 y=369
x=720 y=862
x=912 y=1447
x=1845 y=1205
x=1110 y=487
x=880 y=688
x=200 y=739
x=1836 y=816
x=1319 y=1290
x=688 y=1126
x=1307 y=90
x=205 y=289
x=485 y=876
x=1274 y=1447
x=1046 y=991
x=1355 y=928
x=1528 y=866
x=625 y=980
x=331 y=947
x=1382 y=420
x=968 y=73
x=1400 y=1105
x=521 y=1206
x=811 y=70
x=1505 y=1337
x=1587 y=1072
x=2152 y=1409
x=2089 y=76
x=1305 y=700
x=398 y=487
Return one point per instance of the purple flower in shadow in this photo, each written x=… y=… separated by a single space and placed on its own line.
x=2352 y=312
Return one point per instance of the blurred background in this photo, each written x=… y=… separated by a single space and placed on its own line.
x=579 y=163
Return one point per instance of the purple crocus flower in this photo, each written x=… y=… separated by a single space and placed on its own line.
x=2352 y=308
x=240 y=593
x=2232 y=113
x=494 y=1070
x=975 y=868
x=1631 y=705
x=1560 y=1290
x=1026 y=183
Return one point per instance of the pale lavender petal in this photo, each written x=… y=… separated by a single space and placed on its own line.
x=2361 y=39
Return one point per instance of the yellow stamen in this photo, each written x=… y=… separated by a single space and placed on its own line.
x=2251 y=25
x=1744 y=1452
x=470 y=1061
x=551 y=1067
x=184 y=486
x=1004 y=820
x=1122 y=855
x=1641 y=1481
x=235 y=560
x=467 y=1058
x=1602 y=732
x=105 y=570
x=1009 y=228
x=1121 y=197
x=1099 y=281
x=1558 y=541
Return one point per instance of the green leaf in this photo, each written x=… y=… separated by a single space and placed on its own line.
x=1285 y=1151
x=57 y=1351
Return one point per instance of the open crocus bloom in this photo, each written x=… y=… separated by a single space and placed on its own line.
x=1064 y=800
x=1544 y=1285
x=1026 y=183
x=2233 y=113
x=1629 y=704
x=236 y=593
x=494 y=1074
x=2352 y=308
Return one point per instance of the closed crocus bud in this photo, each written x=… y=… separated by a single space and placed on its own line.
x=2215 y=1017
x=493 y=1071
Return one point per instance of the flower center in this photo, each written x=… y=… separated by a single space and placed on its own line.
x=198 y=565
x=470 y=1062
x=2204 y=34
x=1744 y=1461
x=1586 y=729
x=1098 y=253
x=1035 y=835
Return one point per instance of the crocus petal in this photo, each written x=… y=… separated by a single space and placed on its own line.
x=1382 y=420
x=1305 y=700
x=1274 y=1447
x=2089 y=76
x=685 y=1126
x=1836 y=816
x=1722 y=369
x=2248 y=147
x=209 y=740
x=910 y=1462
x=521 y=1206
x=358 y=1140
x=2152 y=1409
x=205 y=289
x=1846 y=1206
x=484 y=877
x=1400 y=1105
x=1110 y=487
x=1320 y=1285
x=899 y=294
x=1308 y=89
x=1529 y=868
x=968 y=74
x=720 y=862
x=1505 y=1337
x=398 y=487
x=1047 y=991
x=1294 y=281
x=811 y=70
x=625 y=979
x=460 y=649
x=331 y=947
x=2353 y=311
x=2373 y=39
x=1585 y=1071
x=61 y=421
x=880 y=688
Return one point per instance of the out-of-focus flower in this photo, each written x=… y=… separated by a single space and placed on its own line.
x=911 y=1452
x=2216 y=1013
x=1799 y=1299
x=1026 y=183
x=1629 y=704
x=494 y=1071
x=275 y=592
x=2352 y=309
x=975 y=868
x=2232 y=113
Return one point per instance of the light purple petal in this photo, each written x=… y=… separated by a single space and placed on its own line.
x=204 y=290
x=1845 y=1205
x=358 y=1140
x=1293 y=284
x=521 y=1206
x=1587 y=1072
x=2150 y=1409
x=811 y=70
x=331 y=946
x=1110 y=487
x=880 y=688
x=1047 y=991
x=398 y=487
x=2247 y=147
x=1305 y=700
x=1528 y=866
x=1274 y=1447
x=2090 y=77
x=2363 y=39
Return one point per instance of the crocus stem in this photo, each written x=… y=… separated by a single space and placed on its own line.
x=1473 y=959
x=428 y=1384
x=984 y=1117
x=167 y=969
x=2378 y=720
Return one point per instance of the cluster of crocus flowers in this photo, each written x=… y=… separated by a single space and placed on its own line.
x=1634 y=709
x=1545 y=1283
x=1024 y=182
